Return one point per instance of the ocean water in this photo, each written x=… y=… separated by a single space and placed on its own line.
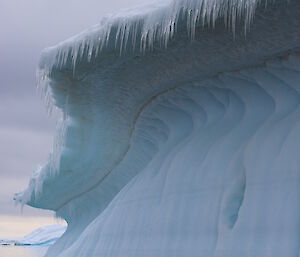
x=22 y=251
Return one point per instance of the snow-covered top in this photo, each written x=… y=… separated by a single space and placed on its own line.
x=139 y=29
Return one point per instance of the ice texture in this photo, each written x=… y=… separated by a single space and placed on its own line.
x=178 y=133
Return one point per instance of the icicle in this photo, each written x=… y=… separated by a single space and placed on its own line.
x=158 y=26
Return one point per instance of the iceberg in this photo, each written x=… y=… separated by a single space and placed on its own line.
x=45 y=236
x=179 y=132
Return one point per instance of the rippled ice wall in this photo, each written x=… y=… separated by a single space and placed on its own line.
x=224 y=178
x=189 y=150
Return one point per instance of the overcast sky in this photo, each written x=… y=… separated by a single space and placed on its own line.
x=26 y=132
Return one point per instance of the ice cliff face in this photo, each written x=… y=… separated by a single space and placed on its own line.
x=178 y=137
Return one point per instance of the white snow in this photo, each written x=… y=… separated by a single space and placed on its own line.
x=141 y=28
x=186 y=146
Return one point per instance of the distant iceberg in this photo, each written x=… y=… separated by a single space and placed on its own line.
x=46 y=235
x=179 y=132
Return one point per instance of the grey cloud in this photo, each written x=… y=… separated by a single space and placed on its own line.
x=27 y=112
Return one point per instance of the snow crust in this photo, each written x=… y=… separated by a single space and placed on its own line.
x=177 y=137
x=142 y=28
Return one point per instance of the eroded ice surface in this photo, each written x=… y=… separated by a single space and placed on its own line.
x=177 y=136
